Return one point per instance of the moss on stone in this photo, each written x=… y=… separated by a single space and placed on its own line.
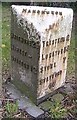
x=25 y=90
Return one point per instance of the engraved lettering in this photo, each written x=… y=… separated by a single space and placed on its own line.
x=43 y=43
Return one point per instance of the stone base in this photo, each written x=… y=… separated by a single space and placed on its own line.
x=23 y=101
x=47 y=96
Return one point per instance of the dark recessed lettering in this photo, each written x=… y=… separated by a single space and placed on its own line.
x=48 y=67
x=68 y=47
x=34 y=11
x=58 y=40
x=47 y=43
x=42 y=57
x=58 y=52
x=55 y=41
x=67 y=38
x=61 y=51
x=56 y=74
x=19 y=38
x=56 y=13
x=60 y=13
x=24 y=10
x=47 y=12
x=34 y=44
x=50 y=27
x=29 y=11
x=64 y=58
x=25 y=53
x=60 y=72
x=31 y=68
x=49 y=55
x=47 y=79
x=43 y=12
x=64 y=49
x=25 y=41
x=52 y=42
x=30 y=43
x=27 y=66
x=44 y=80
x=38 y=11
x=43 y=43
x=46 y=56
x=53 y=83
x=52 y=12
x=21 y=21
x=62 y=39
x=53 y=54
x=22 y=63
x=40 y=82
x=54 y=64
x=51 y=65
x=45 y=68
x=41 y=69
x=35 y=71
x=52 y=76
x=22 y=52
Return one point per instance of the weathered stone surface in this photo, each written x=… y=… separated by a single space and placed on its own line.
x=40 y=42
x=58 y=97
x=34 y=111
x=67 y=89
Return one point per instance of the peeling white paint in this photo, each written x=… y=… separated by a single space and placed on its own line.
x=49 y=27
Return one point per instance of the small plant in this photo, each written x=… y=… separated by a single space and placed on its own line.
x=11 y=108
x=57 y=111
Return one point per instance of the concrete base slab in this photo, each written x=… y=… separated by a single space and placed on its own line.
x=23 y=102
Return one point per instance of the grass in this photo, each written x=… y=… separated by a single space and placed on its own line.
x=11 y=109
x=71 y=58
x=6 y=36
x=6 y=42
x=57 y=111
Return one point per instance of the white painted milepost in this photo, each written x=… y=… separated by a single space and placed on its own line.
x=40 y=42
